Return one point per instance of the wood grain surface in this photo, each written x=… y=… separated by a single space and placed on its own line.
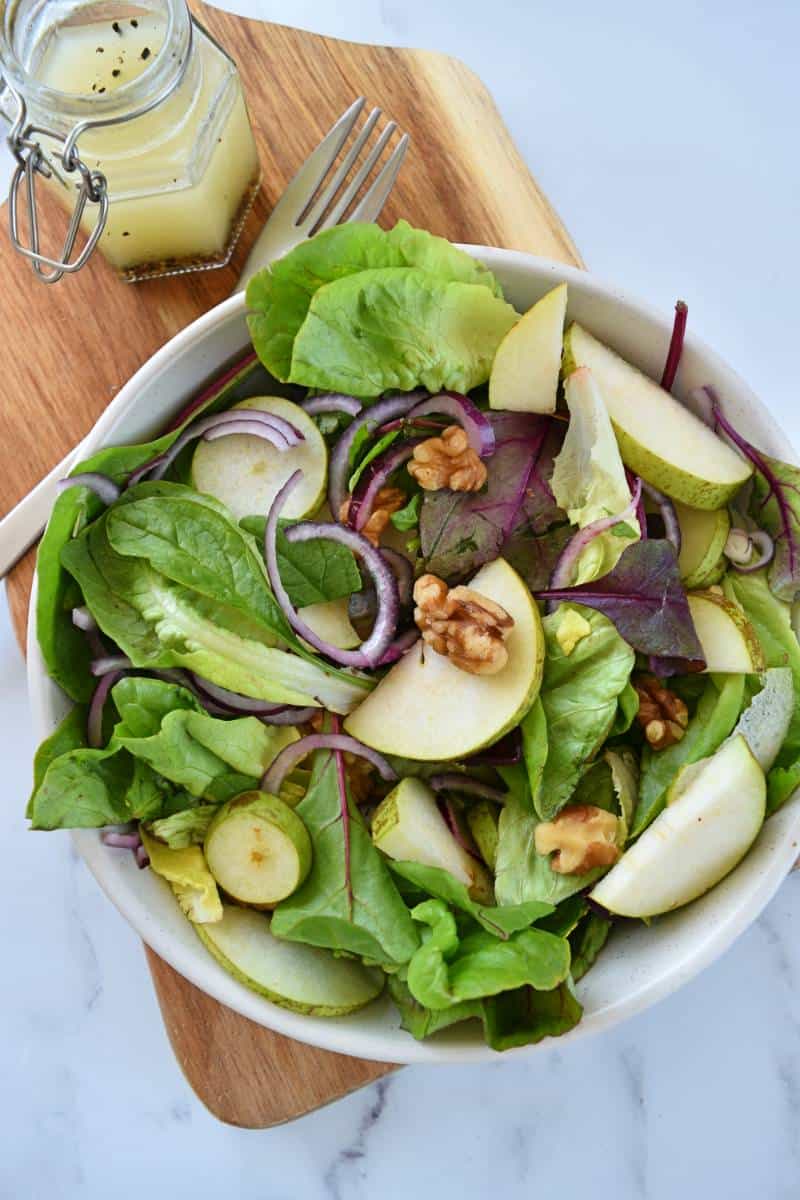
x=71 y=347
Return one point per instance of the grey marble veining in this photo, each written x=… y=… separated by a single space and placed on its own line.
x=665 y=138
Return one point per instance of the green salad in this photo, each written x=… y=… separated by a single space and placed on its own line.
x=432 y=641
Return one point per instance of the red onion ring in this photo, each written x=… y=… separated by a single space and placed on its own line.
x=403 y=571
x=290 y=716
x=94 y=721
x=504 y=753
x=452 y=781
x=121 y=841
x=332 y=402
x=475 y=424
x=562 y=574
x=765 y=552
x=373 y=479
x=400 y=646
x=234 y=701
x=370 y=651
x=213 y=389
x=672 y=528
x=371 y=419
x=448 y=812
x=273 y=429
x=102 y=486
x=83 y=619
x=290 y=756
x=110 y=662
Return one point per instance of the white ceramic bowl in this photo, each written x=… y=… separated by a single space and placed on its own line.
x=641 y=965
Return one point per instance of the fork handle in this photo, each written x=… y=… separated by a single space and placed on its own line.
x=20 y=528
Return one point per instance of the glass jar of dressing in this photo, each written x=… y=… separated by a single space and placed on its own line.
x=136 y=118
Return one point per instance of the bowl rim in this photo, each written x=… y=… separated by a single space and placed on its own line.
x=343 y=1037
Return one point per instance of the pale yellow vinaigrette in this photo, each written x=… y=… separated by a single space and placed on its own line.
x=175 y=191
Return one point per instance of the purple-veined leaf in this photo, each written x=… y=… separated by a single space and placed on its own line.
x=645 y=599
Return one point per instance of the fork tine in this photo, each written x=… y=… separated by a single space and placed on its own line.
x=370 y=206
x=315 y=211
x=352 y=190
x=320 y=161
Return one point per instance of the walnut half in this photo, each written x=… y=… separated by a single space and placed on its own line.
x=662 y=715
x=388 y=500
x=582 y=836
x=470 y=629
x=447 y=462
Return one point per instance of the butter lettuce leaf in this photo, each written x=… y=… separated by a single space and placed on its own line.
x=589 y=479
x=279 y=296
x=399 y=328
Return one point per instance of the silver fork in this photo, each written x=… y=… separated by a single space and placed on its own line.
x=326 y=191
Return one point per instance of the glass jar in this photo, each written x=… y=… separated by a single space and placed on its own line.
x=137 y=99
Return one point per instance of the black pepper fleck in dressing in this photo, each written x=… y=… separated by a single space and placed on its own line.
x=146 y=53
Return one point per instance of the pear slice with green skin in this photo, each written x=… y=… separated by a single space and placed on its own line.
x=295 y=976
x=525 y=370
x=427 y=709
x=258 y=849
x=408 y=827
x=695 y=842
x=730 y=643
x=658 y=438
x=704 y=533
x=246 y=472
x=483 y=820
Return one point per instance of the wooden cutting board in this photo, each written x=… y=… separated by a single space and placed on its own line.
x=69 y=348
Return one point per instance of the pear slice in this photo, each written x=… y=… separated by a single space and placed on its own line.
x=408 y=827
x=695 y=842
x=187 y=873
x=730 y=643
x=429 y=710
x=258 y=849
x=658 y=438
x=703 y=536
x=295 y=976
x=483 y=820
x=525 y=371
x=330 y=620
x=245 y=472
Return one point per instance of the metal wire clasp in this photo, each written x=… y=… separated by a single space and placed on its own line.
x=32 y=161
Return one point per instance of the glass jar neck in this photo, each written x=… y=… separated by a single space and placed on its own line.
x=28 y=27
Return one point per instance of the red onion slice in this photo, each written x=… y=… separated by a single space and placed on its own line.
x=121 y=841
x=672 y=527
x=290 y=756
x=403 y=573
x=675 y=346
x=564 y=568
x=290 y=716
x=504 y=753
x=370 y=651
x=242 y=426
x=233 y=701
x=400 y=646
x=332 y=402
x=371 y=419
x=83 y=619
x=102 y=486
x=142 y=857
x=373 y=479
x=273 y=429
x=452 y=781
x=450 y=815
x=476 y=425
x=110 y=662
x=760 y=550
x=94 y=721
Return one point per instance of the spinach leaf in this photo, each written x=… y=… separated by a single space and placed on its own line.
x=383 y=443
x=526 y=1015
x=64 y=648
x=715 y=717
x=645 y=599
x=499 y=921
x=522 y=875
x=586 y=942
x=448 y=968
x=460 y=531
x=533 y=728
x=628 y=707
x=579 y=698
x=160 y=623
x=312 y=572
x=360 y=911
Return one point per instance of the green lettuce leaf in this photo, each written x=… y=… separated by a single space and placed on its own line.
x=499 y=921
x=714 y=718
x=448 y=968
x=579 y=696
x=533 y=728
x=526 y=1015
x=182 y=829
x=586 y=942
x=83 y=789
x=360 y=912
x=422 y=1022
x=70 y=734
x=408 y=517
x=401 y=328
x=589 y=482
x=279 y=296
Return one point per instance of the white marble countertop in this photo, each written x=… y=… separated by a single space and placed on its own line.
x=666 y=138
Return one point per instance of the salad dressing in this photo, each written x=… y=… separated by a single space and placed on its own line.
x=181 y=177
